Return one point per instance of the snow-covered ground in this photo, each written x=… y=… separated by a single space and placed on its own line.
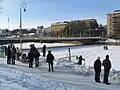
x=112 y=40
x=40 y=45
x=12 y=79
x=66 y=72
x=89 y=53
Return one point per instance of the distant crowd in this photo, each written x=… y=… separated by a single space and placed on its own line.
x=14 y=53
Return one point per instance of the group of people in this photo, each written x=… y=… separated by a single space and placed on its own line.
x=34 y=54
x=97 y=67
x=105 y=47
x=12 y=54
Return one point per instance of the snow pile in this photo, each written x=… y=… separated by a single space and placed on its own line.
x=83 y=70
x=64 y=65
x=115 y=76
x=112 y=40
x=10 y=79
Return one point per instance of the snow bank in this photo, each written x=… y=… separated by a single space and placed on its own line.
x=40 y=45
x=64 y=65
x=11 y=79
x=112 y=40
x=88 y=71
x=83 y=70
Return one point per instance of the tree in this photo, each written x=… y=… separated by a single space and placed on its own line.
x=33 y=30
x=15 y=31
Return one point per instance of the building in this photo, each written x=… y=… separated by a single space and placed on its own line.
x=57 y=29
x=47 y=32
x=3 y=32
x=89 y=20
x=113 y=21
x=65 y=29
x=40 y=30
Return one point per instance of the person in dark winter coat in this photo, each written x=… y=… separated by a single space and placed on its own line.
x=34 y=53
x=30 y=57
x=13 y=54
x=97 y=68
x=50 y=59
x=5 y=50
x=44 y=50
x=80 y=60
x=36 y=56
x=69 y=54
x=106 y=47
x=9 y=55
x=107 y=67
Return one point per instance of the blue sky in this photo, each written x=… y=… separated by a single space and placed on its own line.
x=45 y=12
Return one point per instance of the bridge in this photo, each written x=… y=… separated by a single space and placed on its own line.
x=84 y=40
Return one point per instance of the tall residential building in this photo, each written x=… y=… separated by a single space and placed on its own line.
x=113 y=20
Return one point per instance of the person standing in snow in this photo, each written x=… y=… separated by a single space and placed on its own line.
x=106 y=47
x=31 y=56
x=36 y=56
x=5 y=50
x=50 y=59
x=69 y=54
x=80 y=60
x=13 y=54
x=17 y=53
x=44 y=50
x=9 y=55
x=107 y=67
x=97 y=68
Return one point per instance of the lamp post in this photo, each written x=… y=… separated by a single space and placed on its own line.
x=8 y=30
x=24 y=6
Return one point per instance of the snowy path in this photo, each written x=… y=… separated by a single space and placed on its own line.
x=80 y=82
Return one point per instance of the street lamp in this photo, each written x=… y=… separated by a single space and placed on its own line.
x=24 y=6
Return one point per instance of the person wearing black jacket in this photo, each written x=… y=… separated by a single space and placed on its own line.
x=31 y=56
x=80 y=60
x=9 y=55
x=13 y=54
x=97 y=68
x=50 y=59
x=44 y=50
x=107 y=67
x=37 y=55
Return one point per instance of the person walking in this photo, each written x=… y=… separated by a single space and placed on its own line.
x=44 y=50
x=80 y=60
x=97 y=68
x=50 y=59
x=107 y=67
x=9 y=55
